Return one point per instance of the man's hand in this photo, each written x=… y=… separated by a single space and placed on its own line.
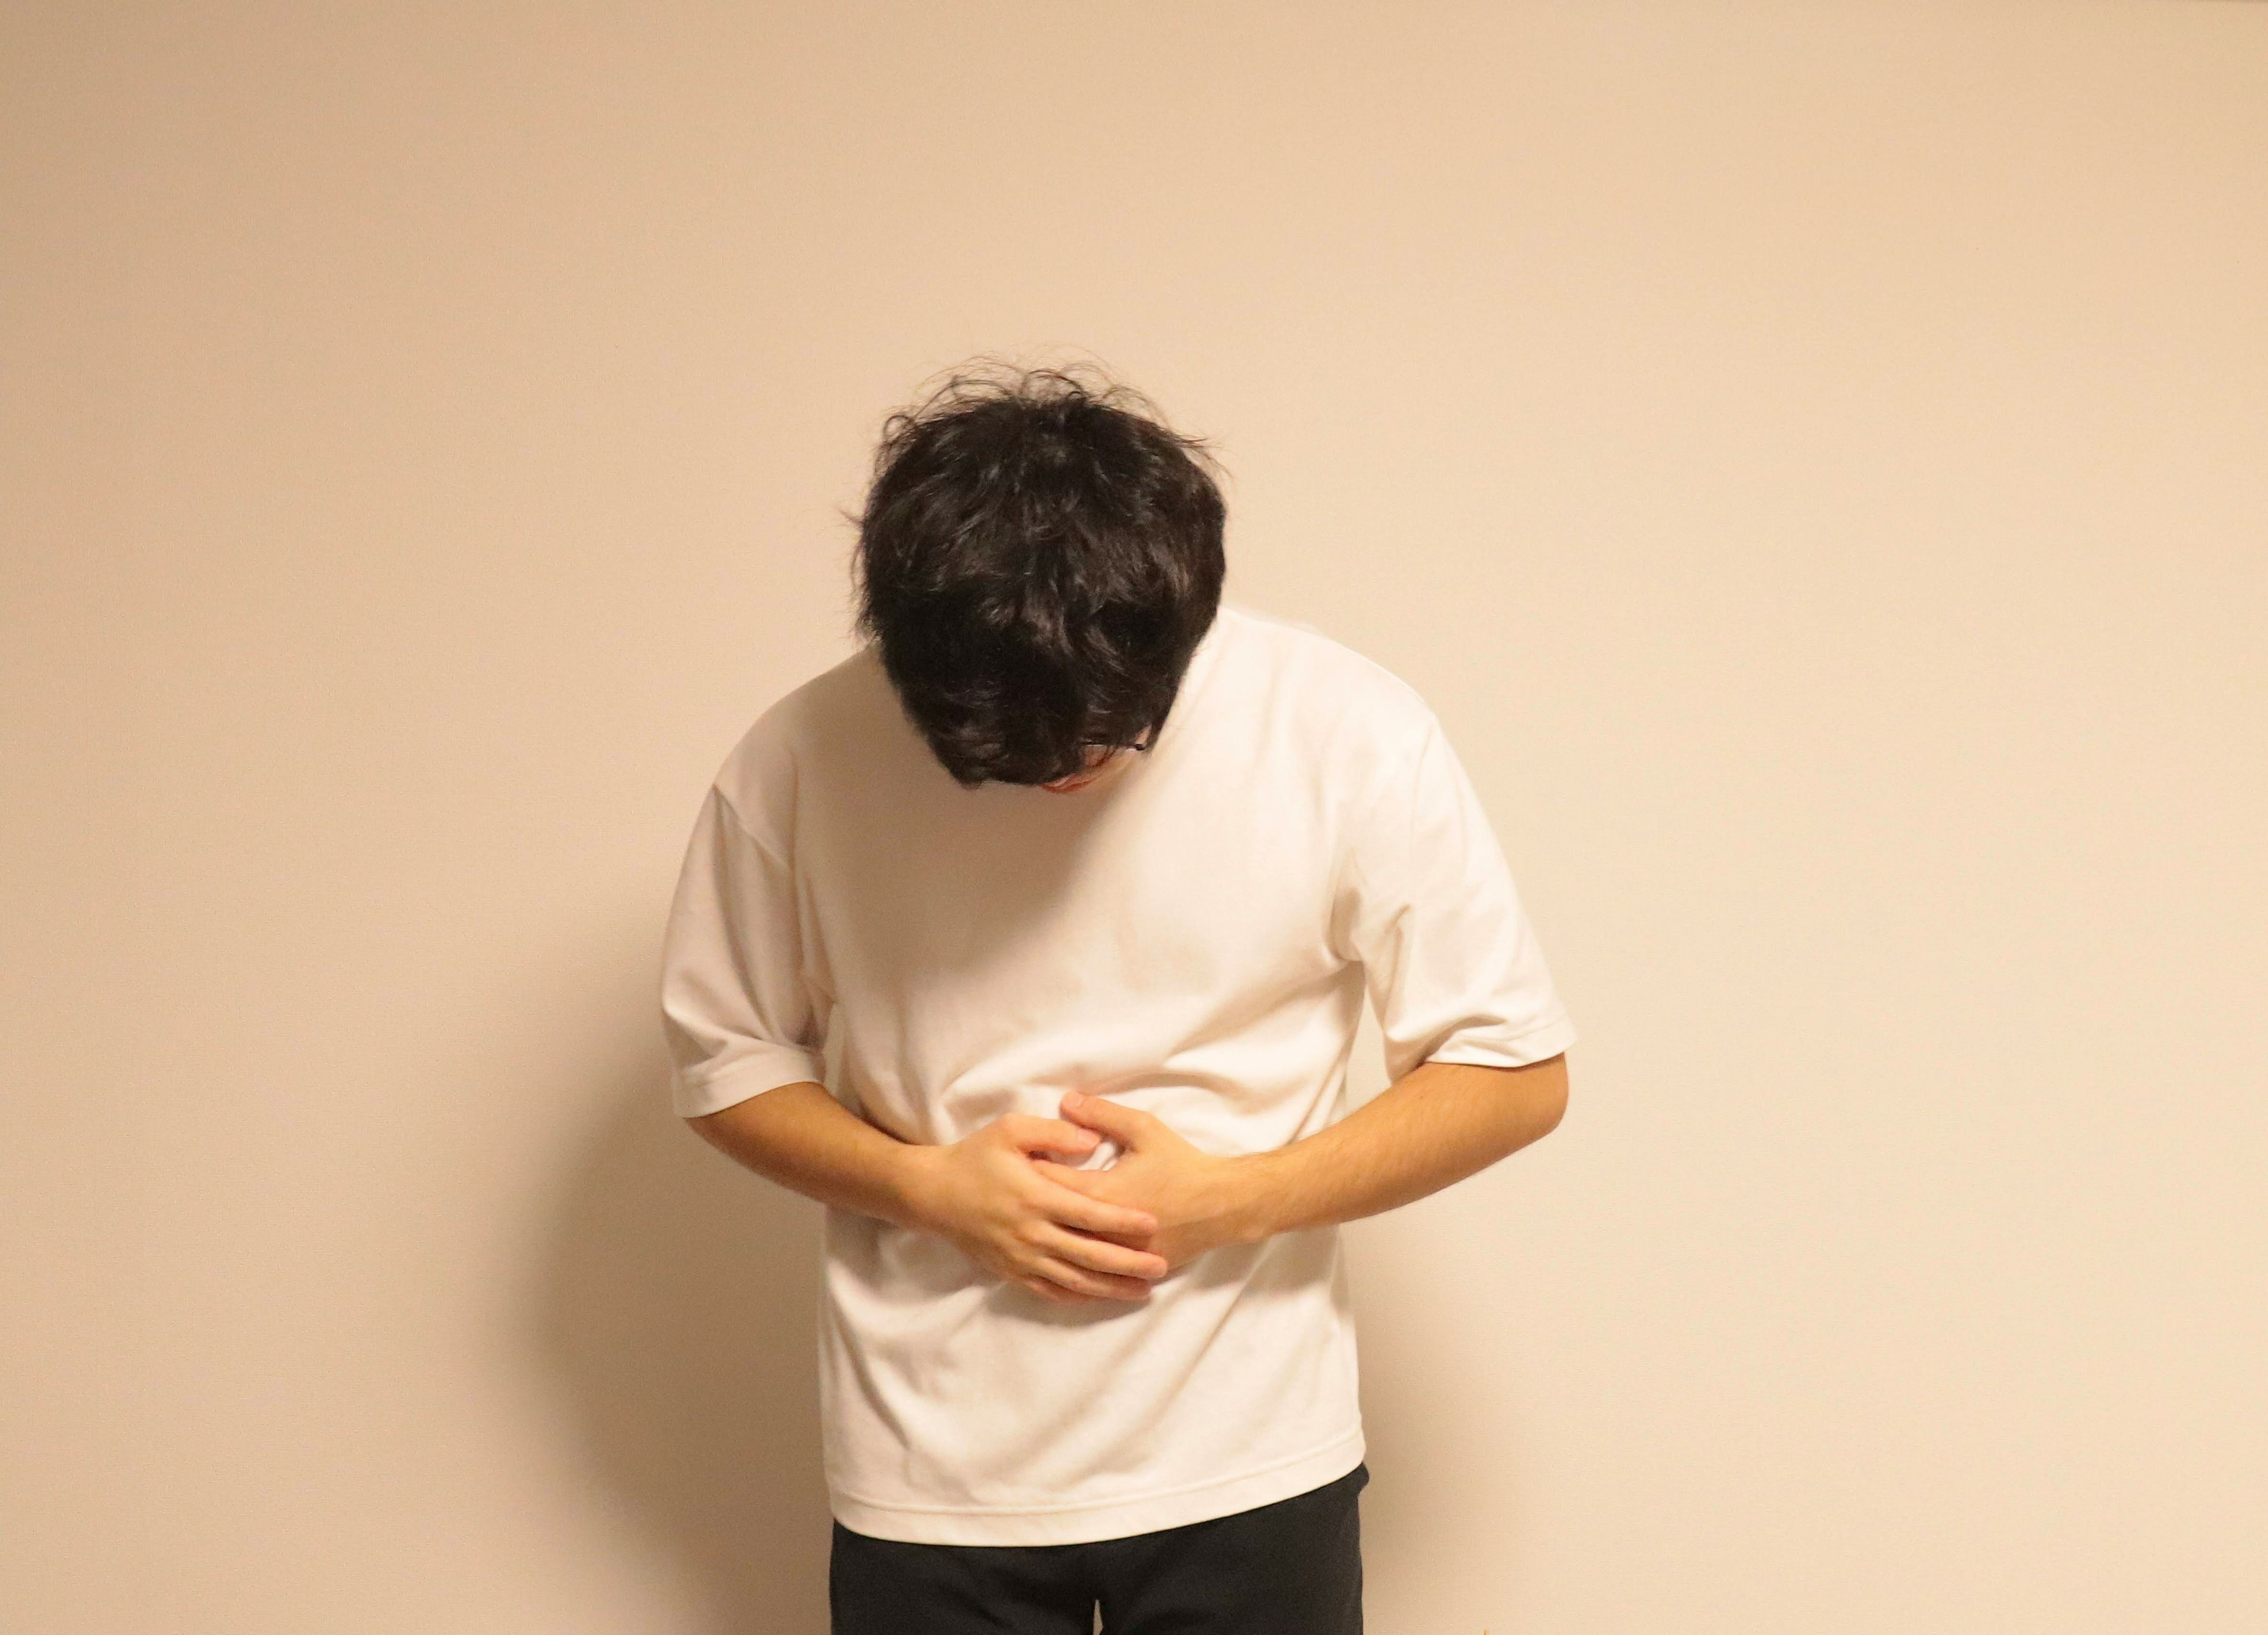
x=1197 y=1198
x=1007 y=1210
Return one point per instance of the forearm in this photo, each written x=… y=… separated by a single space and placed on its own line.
x=801 y=1136
x=1437 y=1124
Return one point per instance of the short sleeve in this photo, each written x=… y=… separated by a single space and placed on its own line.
x=736 y=1011
x=1426 y=903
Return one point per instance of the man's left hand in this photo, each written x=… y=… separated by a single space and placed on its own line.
x=1198 y=1197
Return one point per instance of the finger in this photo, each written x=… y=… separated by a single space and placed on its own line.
x=1067 y=1205
x=1027 y=1130
x=1085 y=1182
x=1123 y=1124
x=1057 y=1270
x=1099 y=1254
x=1049 y=1135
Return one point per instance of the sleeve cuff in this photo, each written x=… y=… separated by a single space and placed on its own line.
x=1539 y=1043
x=715 y=1086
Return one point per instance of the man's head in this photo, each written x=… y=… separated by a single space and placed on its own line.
x=1038 y=559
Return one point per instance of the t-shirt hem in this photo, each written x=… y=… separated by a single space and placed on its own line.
x=1079 y=1524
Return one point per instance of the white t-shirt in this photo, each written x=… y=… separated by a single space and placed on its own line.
x=1192 y=936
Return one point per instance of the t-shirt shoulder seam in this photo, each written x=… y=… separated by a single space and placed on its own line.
x=770 y=848
x=1401 y=776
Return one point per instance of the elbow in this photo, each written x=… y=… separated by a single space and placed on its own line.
x=1551 y=1088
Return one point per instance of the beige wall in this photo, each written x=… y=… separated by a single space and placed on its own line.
x=1811 y=457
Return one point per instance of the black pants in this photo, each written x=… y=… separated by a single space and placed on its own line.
x=1293 y=1567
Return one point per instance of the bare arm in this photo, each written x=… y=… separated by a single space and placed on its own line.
x=804 y=1138
x=983 y=1194
x=1436 y=1124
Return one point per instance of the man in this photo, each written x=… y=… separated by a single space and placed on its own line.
x=1032 y=939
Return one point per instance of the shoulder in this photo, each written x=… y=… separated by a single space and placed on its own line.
x=1357 y=707
x=759 y=776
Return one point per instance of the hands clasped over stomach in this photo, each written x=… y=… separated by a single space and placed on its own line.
x=1070 y=1234
x=985 y=1195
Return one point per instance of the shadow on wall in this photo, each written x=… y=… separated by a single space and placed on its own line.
x=676 y=1312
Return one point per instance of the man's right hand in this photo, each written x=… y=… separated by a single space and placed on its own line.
x=983 y=1195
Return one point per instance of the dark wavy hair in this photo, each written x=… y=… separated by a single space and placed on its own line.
x=1039 y=557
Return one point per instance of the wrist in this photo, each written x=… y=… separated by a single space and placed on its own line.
x=1249 y=1183
x=913 y=1184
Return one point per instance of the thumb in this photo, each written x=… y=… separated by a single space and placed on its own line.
x=1122 y=1124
